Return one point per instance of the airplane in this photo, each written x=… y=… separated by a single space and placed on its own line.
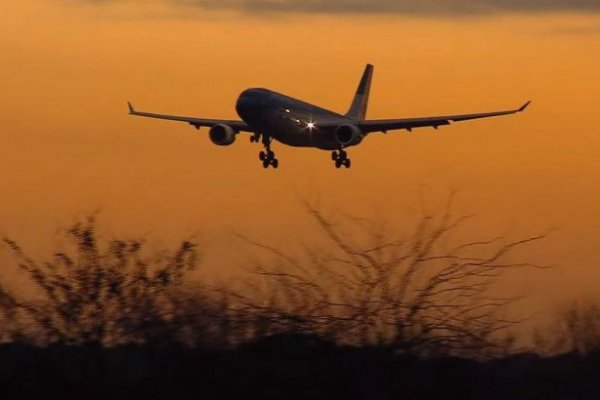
x=269 y=116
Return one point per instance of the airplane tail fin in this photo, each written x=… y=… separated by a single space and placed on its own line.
x=358 y=109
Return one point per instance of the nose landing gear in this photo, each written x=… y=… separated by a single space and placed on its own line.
x=341 y=158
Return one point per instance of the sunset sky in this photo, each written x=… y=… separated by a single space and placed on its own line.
x=68 y=147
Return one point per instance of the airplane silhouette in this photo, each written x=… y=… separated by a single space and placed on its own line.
x=269 y=116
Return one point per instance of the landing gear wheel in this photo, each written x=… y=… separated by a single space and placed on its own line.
x=267 y=156
x=341 y=158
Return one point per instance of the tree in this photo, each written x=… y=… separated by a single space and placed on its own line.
x=368 y=288
x=105 y=294
x=574 y=328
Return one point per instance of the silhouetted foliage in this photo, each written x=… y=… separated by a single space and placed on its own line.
x=574 y=328
x=366 y=315
x=108 y=295
x=413 y=294
x=409 y=294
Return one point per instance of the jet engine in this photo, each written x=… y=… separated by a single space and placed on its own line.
x=222 y=135
x=348 y=135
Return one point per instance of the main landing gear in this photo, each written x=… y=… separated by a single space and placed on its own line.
x=341 y=158
x=267 y=156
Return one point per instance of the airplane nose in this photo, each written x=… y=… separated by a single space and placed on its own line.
x=247 y=103
x=243 y=104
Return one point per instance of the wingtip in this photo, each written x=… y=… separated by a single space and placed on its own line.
x=131 y=109
x=524 y=106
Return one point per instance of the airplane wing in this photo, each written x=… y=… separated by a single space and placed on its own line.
x=196 y=122
x=385 y=125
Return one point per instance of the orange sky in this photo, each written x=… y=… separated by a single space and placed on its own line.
x=69 y=148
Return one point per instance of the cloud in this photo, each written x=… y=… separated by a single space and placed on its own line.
x=423 y=7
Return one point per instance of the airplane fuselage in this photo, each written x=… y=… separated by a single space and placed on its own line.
x=288 y=120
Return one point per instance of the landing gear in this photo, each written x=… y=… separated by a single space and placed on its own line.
x=267 y=156
x=341 y=158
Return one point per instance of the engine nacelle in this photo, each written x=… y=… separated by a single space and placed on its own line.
x=222 y=135
x=348 y=135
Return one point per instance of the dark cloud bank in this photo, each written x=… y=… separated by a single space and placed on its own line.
x=399 y=6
